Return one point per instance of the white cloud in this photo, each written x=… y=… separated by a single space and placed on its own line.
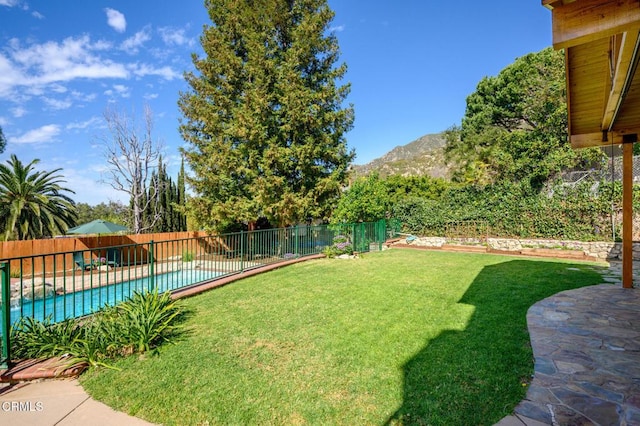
x=143 y=70
x=18 y=112
x=9 y=3
x=38 y=66
x=9 y=76
x=73 y=58
x=116 y=20
x=37 y=14
x=58 y=88
x=149 y=96
x=175 y=36
x=337 y=28
x=118 y=90
x=57 y=104
x=102 y=45
x=122 y=90
x=132 y=44
x=40 y=135
x=81 y=125
x=84 y=97
x=40 y=69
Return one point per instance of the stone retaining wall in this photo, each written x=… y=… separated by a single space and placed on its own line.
x=597 y=249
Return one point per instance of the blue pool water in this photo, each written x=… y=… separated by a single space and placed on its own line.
x=84 y=302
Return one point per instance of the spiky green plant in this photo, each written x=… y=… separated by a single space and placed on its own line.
x=149 y=319
x=137 y=325
x=32 y=338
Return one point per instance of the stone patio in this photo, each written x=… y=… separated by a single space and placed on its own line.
x=586 y=344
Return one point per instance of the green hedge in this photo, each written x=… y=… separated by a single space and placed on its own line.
x=582 y=212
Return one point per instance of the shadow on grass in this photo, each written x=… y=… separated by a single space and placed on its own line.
x=181 y=332
x=478 y=375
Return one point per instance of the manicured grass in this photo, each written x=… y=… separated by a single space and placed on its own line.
x=408 y=337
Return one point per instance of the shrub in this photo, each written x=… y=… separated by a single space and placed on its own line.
x=139 y=324
x=517 y=210
x=187 y=256
x=36 y=339
x=341 y=245
x=148 y=319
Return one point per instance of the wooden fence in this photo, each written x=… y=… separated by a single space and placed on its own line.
x=41 y=258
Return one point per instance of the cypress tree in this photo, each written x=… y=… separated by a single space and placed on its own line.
x=181 y=200
x=166 y=202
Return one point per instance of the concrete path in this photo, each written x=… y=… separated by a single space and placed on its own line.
x=57 y=402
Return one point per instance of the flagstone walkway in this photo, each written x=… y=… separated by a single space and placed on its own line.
x=586 y=344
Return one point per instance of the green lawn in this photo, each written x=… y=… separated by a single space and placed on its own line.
x=401 y=336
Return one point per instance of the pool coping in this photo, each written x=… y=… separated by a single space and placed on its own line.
x=226 y=279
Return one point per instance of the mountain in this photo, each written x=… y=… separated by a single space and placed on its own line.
x=424 y=156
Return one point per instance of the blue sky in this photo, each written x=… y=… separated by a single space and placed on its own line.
x=411 y=65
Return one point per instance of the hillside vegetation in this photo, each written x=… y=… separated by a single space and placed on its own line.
x=503 y=165
x=423 y=156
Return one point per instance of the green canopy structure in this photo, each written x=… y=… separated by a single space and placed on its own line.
x=97 y=226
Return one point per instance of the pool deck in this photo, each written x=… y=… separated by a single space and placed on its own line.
x=76 y=280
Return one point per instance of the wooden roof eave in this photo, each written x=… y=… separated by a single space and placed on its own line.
x=601 y=39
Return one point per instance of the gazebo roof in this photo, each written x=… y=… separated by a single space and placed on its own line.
x=601 y=42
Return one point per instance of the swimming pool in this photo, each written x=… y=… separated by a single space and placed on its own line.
x=79 y=303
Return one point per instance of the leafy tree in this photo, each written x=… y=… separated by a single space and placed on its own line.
x=33 y=203
x=370 y=198
x=3 y=141
x=367 y=200
x=515 y=126
x=113 y=211
x=402 y=187
x=181 y=199
x=264 y=119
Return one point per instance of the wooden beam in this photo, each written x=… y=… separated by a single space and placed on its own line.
x=582 y=21
x=627 y=212
x=550 y=4
x=623 y=71
x=589 y=140
x=567 y=76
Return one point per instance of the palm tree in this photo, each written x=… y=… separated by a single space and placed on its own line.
x=32 y=203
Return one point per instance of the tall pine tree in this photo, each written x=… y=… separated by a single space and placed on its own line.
x=264 y=120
